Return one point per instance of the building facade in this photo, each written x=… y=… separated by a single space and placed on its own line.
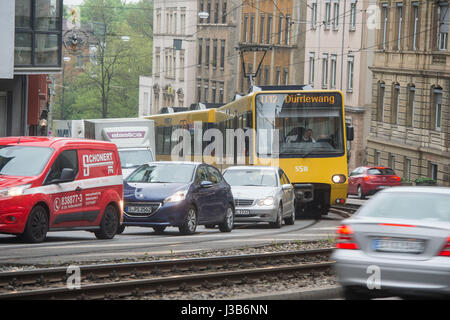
x=174 y=57
x=217 y=37
x=279 y=27
x=410 y=126
x=31 y=32
x=337 y=56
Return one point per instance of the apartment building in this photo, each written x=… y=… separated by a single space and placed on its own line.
x=217 y=38
x=337 y=56
x=279 y=27
x=174 y=57
x=410 y=130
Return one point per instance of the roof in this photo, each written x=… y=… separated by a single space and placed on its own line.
x=419 y=189
x=49 y=141
x=251 y=168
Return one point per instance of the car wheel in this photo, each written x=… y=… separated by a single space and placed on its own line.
x=228 y=224
x=37 y=225
x=190 y=222
x=290 y=220
x=278 y=223
x=159 y=228
x=360 y=192
x=120 y=229
x=109 y=223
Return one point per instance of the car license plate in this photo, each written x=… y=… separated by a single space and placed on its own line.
x=243 y=212
x=400 y=246
x=136 y=209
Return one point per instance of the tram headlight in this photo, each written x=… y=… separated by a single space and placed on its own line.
x=338 y=178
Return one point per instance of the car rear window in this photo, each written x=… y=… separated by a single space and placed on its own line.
x=381 y=171
x=410 y=206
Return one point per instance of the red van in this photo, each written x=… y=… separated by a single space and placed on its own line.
x=52 y=184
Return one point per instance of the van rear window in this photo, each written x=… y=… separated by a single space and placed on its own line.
x=23 y=161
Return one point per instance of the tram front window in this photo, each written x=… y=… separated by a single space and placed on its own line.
x=299 y=124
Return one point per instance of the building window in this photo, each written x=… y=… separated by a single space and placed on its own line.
x=221 y=94
x=353 y=15
x=411 y=106
x=214 y=62
x=385 y=25
x=287 y=31
x=269 y=29
x=434 y=171
x=350 y=71
x=261 y=28
x=224 y=12
x=335 y=15
x=266 y=76
x=278 y=76
x=280 y=29
x=208 y=9
x=216 y=12
x=245 y=27
x=205 y=96
x=286 y=76
x=395 y=103
x=222 y=54
x=199 y=90
x=313 y=15
x=213 y=92
x=415 y=24
x=38 y=26
x=311 y=68
x=207 y=53
x=377 y=158
x=391 y=161
x=252 y=28
x=200 y=47
x=325 y=70
x=407 y=169
x=181 y=75
x=380 y=102
x=437 y=109
x=443 y=27
x=327 y=14
x=333 y=71
x=399 y=24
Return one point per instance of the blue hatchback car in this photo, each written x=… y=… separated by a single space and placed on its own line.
x=179 y=194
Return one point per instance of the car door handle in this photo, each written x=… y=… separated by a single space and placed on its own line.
x=78 y=189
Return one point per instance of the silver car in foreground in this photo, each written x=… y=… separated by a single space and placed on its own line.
x=398 y=244
x=261 y=194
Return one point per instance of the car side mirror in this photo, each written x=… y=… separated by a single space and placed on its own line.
x=206 y=184
x=287 y=187
x=350 y=133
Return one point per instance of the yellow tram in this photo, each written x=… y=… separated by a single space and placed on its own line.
x=301 y=131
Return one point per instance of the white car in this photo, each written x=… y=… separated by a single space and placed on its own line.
x=261 y=194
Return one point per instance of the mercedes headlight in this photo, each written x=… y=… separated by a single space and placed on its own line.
x=269 y=201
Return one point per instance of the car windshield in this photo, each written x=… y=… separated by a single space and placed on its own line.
x=411 y=206
x=23 y=161
x=381 y=171
x=134 y=158
x=163 y=173
x=260 y=178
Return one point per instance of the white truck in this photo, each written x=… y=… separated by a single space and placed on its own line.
x=134 y=137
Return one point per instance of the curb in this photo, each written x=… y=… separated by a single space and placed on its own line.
x=322 y=293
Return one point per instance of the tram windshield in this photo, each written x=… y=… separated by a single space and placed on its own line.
x=299 y=124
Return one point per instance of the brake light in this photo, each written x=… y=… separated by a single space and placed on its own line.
x=344 y=238
x=397 y=178
x=446 y=250
x=366 y=178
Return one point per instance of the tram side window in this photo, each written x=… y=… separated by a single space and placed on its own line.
x=167 y=138
x=159 y=140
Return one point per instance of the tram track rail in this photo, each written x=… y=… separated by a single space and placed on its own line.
x=137 y=279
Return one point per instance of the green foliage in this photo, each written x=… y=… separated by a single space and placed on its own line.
x=425 y=181
x=108 y=86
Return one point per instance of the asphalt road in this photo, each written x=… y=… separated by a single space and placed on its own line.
x=82 y=246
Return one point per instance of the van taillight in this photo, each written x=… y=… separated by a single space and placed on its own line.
x=344 y=238
x=446 y=249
